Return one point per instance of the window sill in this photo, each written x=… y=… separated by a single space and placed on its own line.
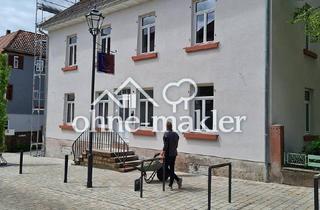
x=144 y=56
x=66 y=127
x=309 y=137
x=70 y=68
x=310 y=53
x=143 y=132
x=201 y=136
x=202 y=47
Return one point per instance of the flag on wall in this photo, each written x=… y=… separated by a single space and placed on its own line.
x=106 y=63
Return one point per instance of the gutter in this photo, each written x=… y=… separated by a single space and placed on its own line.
x=267 y=88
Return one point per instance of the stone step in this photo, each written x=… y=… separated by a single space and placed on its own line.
x=102 y=153
x=128 y=164
x=110 y=166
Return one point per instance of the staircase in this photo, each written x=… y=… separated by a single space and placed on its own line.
x=109 y=150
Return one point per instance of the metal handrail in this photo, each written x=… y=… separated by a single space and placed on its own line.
x=210 y=177
x=109 y=141
x=316 y=191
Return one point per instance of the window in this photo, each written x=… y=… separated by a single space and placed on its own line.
x=72 y=51
x=15 y=62
x=147 y=33
x=102 y=109
x=146 y=109
x=106 y=40
x=9 y=92
x=308 y=102
x=69 y=108
x=203 y=106
x=204 y=18
x=39 y=65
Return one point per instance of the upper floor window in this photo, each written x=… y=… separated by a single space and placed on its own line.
x=72 y=50
x=106 y=40
x=147 y=33
x=69 y=108
x=15 y=62
x=203 y=19
x=203 y=107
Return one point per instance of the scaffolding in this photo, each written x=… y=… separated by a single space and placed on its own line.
x=44 y=9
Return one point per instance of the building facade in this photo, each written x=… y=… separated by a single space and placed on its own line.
x=226 y=47
x=20 y=49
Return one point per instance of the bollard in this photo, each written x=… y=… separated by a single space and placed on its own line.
x=21 y=162
x=209 y=188
x=316 y=191
x=141 y=180
x=164 y=176
x=230 y=182
x=66 y=159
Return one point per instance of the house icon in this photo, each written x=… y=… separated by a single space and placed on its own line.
x=127 y=100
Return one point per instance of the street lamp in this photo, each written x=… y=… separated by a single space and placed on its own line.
x=94 y=20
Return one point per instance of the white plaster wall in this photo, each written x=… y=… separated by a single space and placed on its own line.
x=292 y=72
x=236 y=69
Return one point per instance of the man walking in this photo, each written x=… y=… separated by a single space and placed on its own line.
x=169 y=152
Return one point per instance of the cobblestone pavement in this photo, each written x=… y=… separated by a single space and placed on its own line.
x=41 y=187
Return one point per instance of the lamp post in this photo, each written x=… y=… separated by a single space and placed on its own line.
x=94 y=20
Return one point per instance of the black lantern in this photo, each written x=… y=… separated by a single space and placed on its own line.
x=94 y=20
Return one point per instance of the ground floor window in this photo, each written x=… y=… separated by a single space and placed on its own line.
x=102 y=110
x=146 y=109
x=203 y=106
x=69 y=108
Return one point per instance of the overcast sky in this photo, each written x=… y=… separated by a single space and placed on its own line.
x=20 y=14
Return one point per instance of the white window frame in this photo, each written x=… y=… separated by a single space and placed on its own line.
x=106 y=37
x=68 y=103
x=74 y=51
x=148 y=27
x=104 y=102
x=146 y=124
x=15 y=62
x=205 y=20
x=39 y=65
x=309 y=104
x=203 y=100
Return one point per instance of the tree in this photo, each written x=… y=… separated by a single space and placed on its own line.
x=4 y=77
x=310 y=17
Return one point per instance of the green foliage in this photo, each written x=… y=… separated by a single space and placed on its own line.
x=313 y=148
x=310 y=17
x=4 y=77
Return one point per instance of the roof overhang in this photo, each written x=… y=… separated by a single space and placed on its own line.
x=105 y=10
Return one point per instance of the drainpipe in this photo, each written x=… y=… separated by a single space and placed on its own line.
x=267 y=87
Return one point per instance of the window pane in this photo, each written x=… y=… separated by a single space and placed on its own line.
x=70 y=97
x=210 y=26
x=204 y=5
x=152 y=38
x=106 y=31
x=209 y=108
x=69 y=113
x=205 y=91
x=106 y=113
x=104 y=45
x=198 y=113
x=148 y=20
x=145 y=40
x=72 y=114
x=307 y=96
x=200 y=28
x=73 y=40
x=75 y=55
x=142 y=112
x=150 y=114
x=70 y=55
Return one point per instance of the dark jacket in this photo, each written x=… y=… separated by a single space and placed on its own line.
x=170 y=143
